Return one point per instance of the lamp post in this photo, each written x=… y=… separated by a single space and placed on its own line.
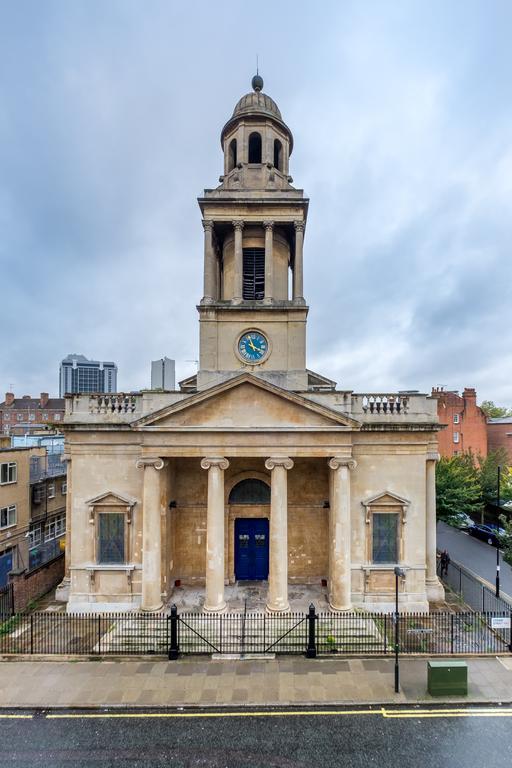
x=498 y=540
x=399 y=572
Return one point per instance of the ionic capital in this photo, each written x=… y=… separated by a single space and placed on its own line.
x=299 y=226
x=279 y=461
x=433 y=456
x=238 y=225
x=216 y=461
x=268 y=225
x=207 y=225
x=341 y=461
x=149 y=461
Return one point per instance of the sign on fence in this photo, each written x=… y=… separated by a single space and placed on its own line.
x=500 y=622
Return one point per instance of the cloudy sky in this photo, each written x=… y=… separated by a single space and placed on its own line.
x=110 y=115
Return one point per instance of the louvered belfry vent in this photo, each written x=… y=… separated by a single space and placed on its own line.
x=254 y=274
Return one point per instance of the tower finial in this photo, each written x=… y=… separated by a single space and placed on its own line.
x=257 y=81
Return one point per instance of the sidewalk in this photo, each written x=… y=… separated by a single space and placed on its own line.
x=205 y=683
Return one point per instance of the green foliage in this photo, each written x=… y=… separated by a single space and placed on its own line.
x=488 y=477
x=457 y=487
x=494 y=411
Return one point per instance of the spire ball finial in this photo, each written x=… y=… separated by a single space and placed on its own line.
x=257 y=83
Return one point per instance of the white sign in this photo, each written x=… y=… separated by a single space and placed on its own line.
x=500 y=622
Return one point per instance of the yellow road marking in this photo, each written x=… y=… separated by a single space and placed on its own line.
x=16 y=717
x=386 y=713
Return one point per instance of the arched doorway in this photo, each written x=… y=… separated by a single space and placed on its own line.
x=249 y=499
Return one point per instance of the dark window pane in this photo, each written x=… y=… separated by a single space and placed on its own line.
x=254 y=274
x=111 y=538
x=251 y=491
x=385 y=538
x=255 y=148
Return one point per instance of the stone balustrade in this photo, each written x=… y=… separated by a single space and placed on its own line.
x=385 y=404
x=113 y=403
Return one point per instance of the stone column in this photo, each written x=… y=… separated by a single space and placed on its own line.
x=277 y=601
x=62 y=591
x=151 y=535
x=434 y=588
x=269 y=260
x=210 y=266
x=340 y=575
x=214 y=598
x=298 y=280
x=239 y=262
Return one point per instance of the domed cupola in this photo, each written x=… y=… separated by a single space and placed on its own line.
x=256 y=133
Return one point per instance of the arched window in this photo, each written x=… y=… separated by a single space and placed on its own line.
x=232 y=155
x=278 y=155
x=251 y=491
x=255 y=148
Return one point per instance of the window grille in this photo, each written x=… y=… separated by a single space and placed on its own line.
x=254 y=274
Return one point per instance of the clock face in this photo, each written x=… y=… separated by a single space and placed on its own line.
x=253 y=347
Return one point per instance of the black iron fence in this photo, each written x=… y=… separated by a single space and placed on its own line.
x=243 y=634
x=473 y=592
x=6 y=602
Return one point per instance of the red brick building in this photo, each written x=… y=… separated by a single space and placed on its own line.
x=499 y=435
x=22 y=415
x=466 y=423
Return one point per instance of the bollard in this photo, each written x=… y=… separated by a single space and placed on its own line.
x=311 y=649
x=173 y=646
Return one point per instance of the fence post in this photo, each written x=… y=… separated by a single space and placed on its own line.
x=173 y=647
x=31 y=633
x=451 y=634
x=385 y=633
x=311 y=649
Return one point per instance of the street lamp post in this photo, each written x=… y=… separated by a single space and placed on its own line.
x=498 y=540
x=399 y=573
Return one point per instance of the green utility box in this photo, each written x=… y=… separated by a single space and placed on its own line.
x=447 y=678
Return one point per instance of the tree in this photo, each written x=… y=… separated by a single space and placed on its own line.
x=488 y=476
x=457 y=487
x=494 y=411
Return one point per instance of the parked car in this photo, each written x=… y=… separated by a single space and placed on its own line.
x=460 y=520
x=487 y=533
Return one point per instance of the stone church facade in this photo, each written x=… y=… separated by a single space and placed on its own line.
x=257 y=468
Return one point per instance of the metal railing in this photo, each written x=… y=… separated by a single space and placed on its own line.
x=354 y=634
x=473 y=592
x=6 y=602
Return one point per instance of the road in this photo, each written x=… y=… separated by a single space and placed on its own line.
x=474 y=554
x=433 y=737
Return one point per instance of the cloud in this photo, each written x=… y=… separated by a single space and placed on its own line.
x=109 y=130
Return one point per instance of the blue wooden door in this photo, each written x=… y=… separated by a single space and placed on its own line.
x=251 y=548
x=5 y=567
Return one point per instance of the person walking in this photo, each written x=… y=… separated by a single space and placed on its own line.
x=445 y=562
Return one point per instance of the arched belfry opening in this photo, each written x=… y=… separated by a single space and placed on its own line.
x=255 y=147
x=232 y=155
x=250 y=491
x=278 y=155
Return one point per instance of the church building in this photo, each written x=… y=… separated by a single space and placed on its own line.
x=257 y=468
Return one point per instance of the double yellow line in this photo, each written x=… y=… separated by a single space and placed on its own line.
x=390 y=714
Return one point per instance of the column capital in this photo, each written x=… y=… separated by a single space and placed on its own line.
x=433 y=456
x=238 y=224
x=149 y=461
x=342 y=461
x=279 y=461
x=268 y=224
x=299 y=226
x=207 y=224
x=215 y=461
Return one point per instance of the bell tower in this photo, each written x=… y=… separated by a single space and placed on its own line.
x=253 y=313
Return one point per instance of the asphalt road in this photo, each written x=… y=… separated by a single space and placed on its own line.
x=476 y=555
x=437 y=738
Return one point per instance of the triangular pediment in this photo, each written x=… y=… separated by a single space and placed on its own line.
x=111 y=499
x=246 y=403
x=386 y=499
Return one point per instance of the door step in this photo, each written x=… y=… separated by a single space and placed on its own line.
x=242 y=656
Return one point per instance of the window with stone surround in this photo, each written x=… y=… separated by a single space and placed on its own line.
x=386 y=515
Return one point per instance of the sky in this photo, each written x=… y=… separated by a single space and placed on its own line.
x=110 y=120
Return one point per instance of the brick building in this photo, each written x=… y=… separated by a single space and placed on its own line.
x=22 y=415
x=499 y=435
x=466 y=423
